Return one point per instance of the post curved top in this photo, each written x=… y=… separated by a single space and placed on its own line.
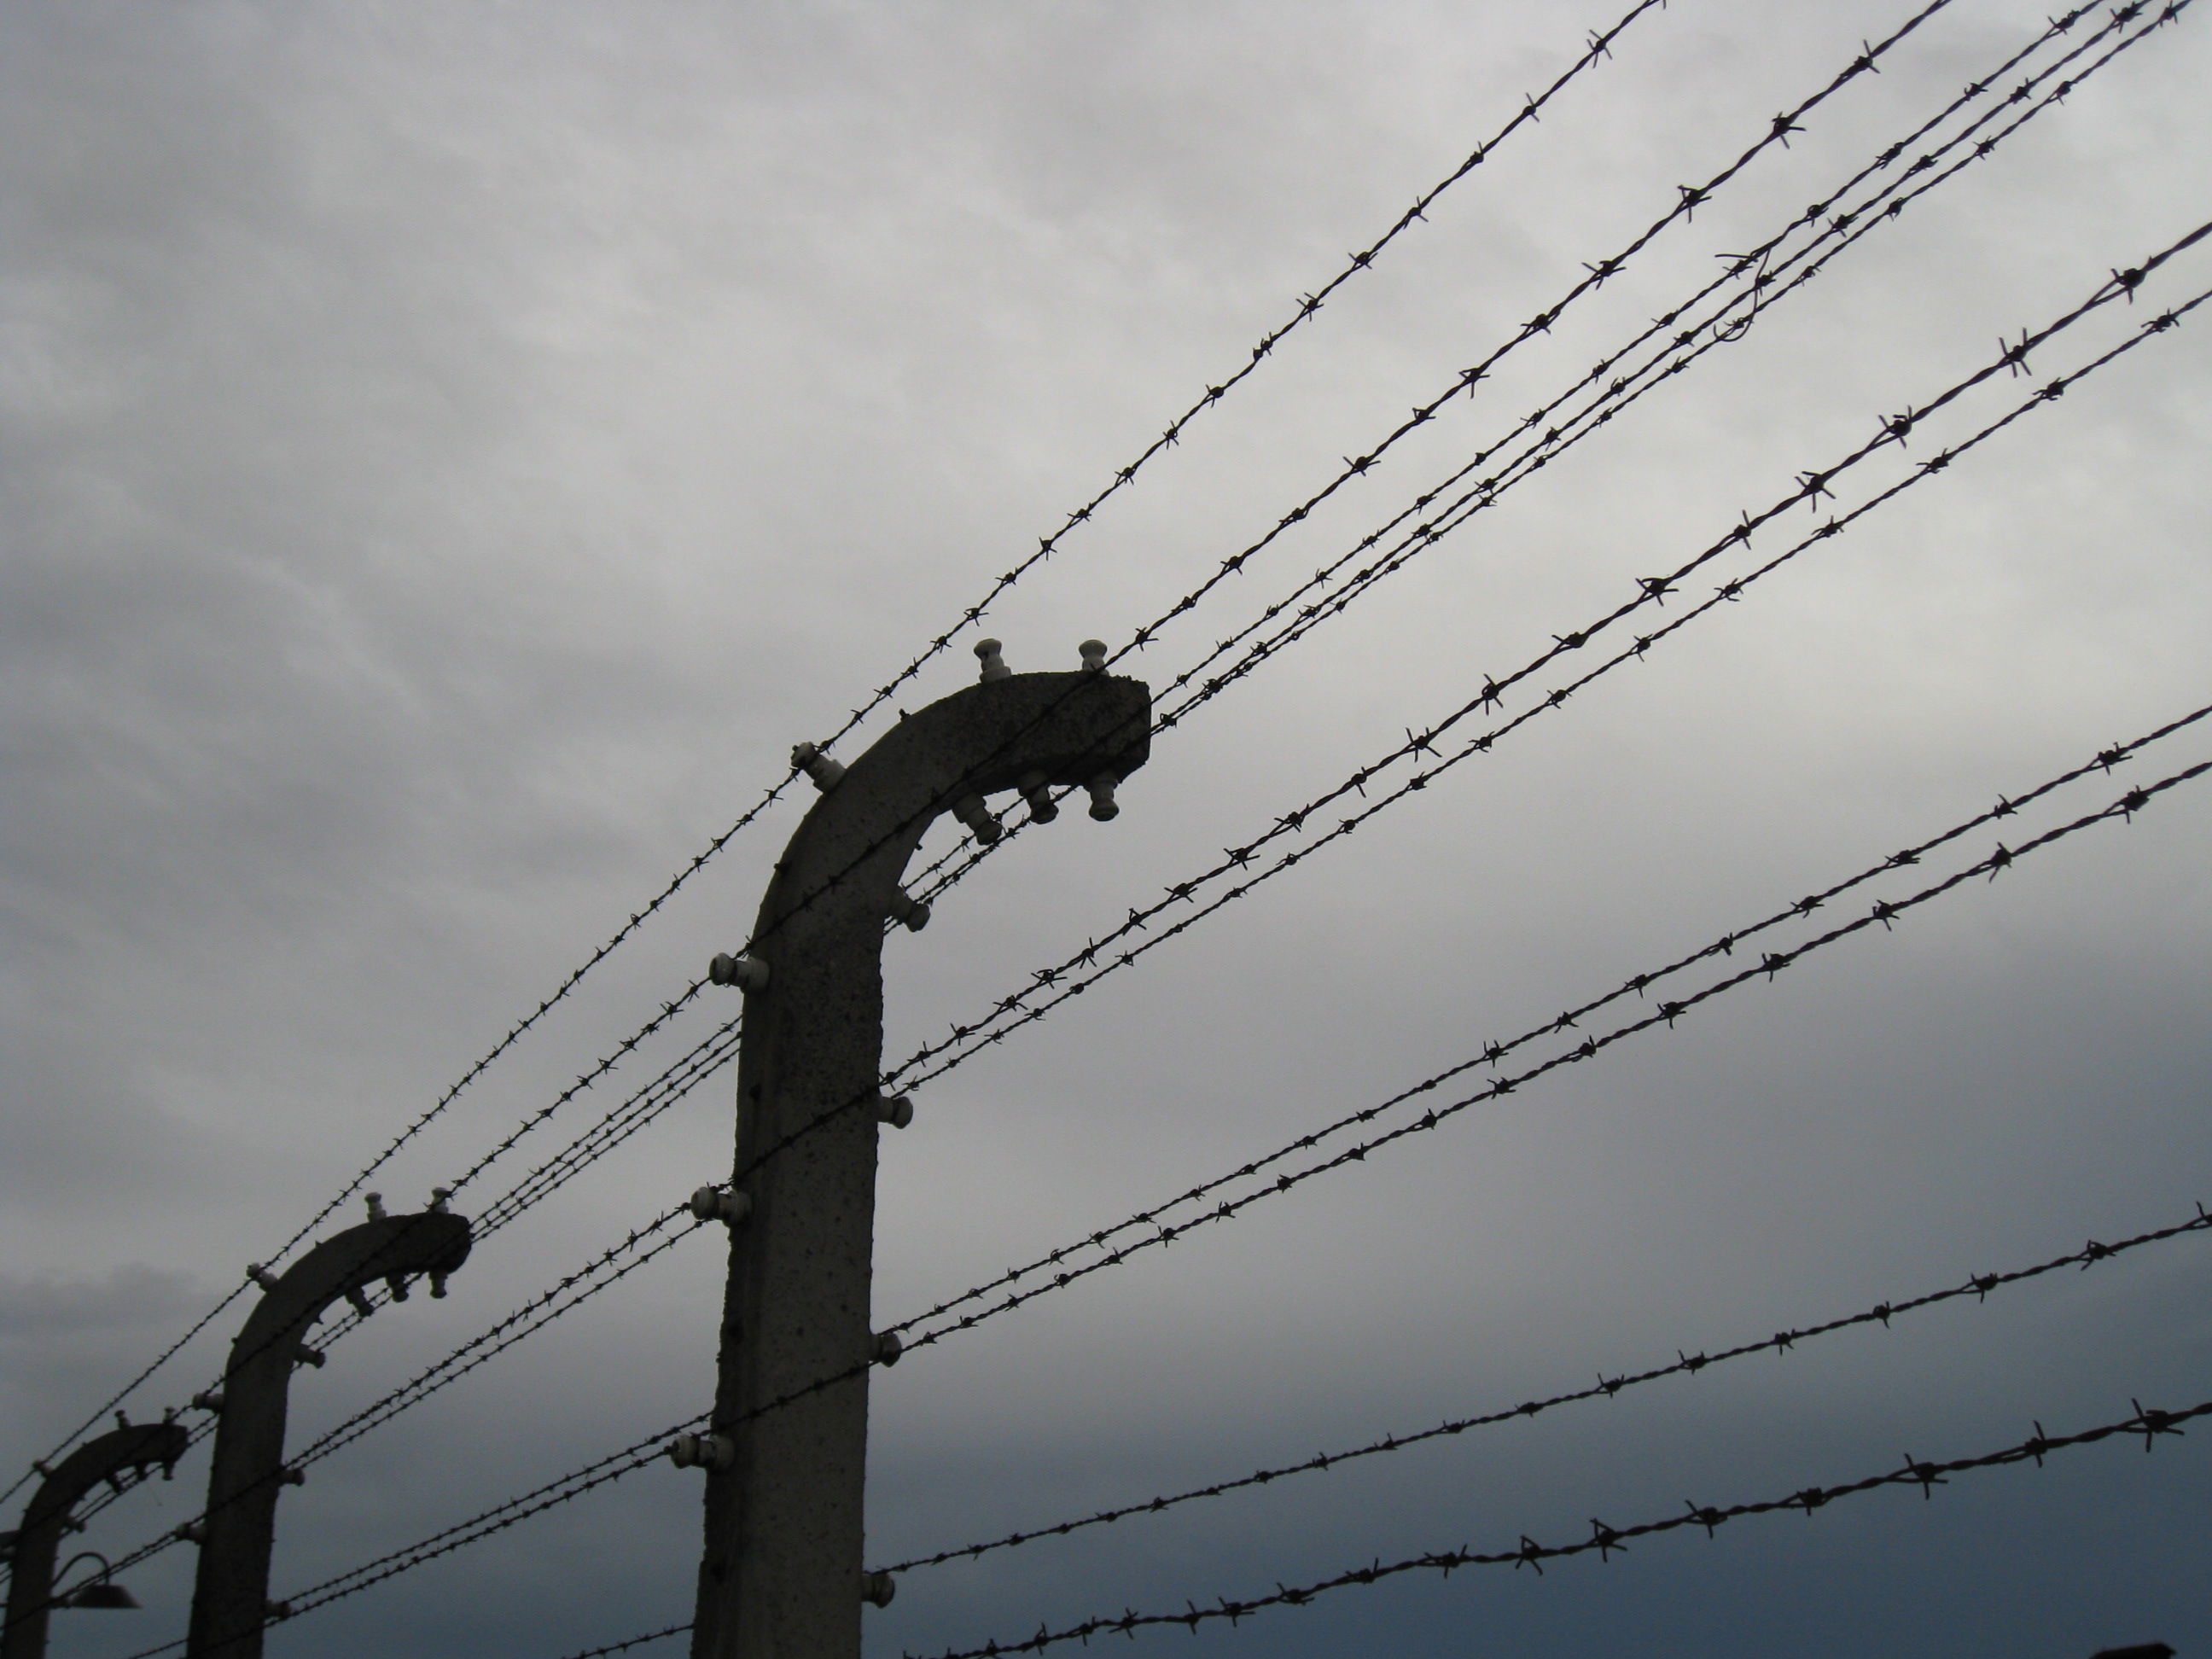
x=1067 y=729
x=131 y=1450
x=389 y=1247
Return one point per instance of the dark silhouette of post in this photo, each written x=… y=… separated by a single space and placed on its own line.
x=782 y=1576
x=230 y=1593
x=122 y=1453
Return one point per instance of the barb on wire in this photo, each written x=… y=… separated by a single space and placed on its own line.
x=1640 y=985
x=1604 y=1541
x=1979 y=1286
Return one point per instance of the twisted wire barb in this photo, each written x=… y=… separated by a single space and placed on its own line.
x=1604 y=1541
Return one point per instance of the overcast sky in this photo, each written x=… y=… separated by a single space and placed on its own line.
x=450 y=453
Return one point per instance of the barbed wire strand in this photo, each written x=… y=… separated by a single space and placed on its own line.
x=1604 y=1541
x=1978 y=1286
x=1640 y=985
x=1063 y=982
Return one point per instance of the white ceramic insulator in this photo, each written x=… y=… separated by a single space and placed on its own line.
x=971 y=811
x=746 y=973
x=717 y=1204
x=1102 y=806
x=1094 y=656
x=912 y=914
x=1037 y=790
x=825 y=772
x=888 y=1348
x=897 y=1111
x=994 y=666
x=877 y=1588
x=702 y=1451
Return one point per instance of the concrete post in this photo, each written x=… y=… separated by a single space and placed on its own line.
x=230 y=1593
x=781 y=1576
x=130 y=1449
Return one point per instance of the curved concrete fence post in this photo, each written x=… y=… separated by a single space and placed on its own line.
x=781 y=1575
x=117 y=1457
x=230 y=1593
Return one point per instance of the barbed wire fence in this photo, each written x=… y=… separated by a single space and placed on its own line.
x=643 y=1454
x=1596 y=51
x=709 y=1056
x=1753 y=284
x=640 y=1108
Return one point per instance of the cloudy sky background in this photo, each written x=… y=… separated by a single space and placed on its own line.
x=452 y=454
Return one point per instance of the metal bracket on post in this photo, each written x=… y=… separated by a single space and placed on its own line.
x=129 y=1450
x=784 y=1510
x=230 y=1592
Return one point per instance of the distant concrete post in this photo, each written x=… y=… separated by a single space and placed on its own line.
x=129 y=1450
x=782 y=1576
x=230 y=1593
